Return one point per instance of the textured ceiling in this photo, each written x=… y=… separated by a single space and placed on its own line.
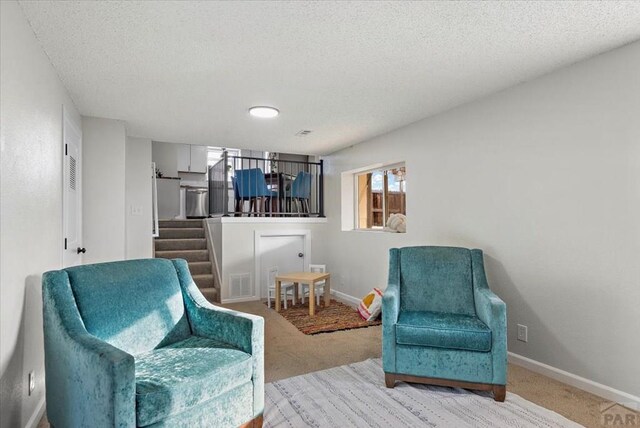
x=188 y=71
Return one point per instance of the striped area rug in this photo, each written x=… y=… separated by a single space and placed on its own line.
x=355 y=396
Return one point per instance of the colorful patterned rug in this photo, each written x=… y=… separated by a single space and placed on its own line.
x=337 y=316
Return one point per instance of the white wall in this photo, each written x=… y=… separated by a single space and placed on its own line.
x=103 y=174
x=138 y=203
x=165 y=155
x=214 y=230
x=30 y=205
x=545 y=177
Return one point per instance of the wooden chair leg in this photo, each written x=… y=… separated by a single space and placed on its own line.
x=389 y=380
x=499 y=392
x=253 y=423
x=257 y=422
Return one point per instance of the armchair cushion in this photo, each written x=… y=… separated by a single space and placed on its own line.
x=134 y=305
x=231 y=409
x=436 y=279
x=443 y=330
x=186 y=374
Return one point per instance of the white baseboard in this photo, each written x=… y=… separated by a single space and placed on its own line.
x=240 y=300
x=604 y=391
x=353 y=301
x=37 y=414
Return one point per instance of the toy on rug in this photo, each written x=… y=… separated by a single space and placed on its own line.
x=371 y=305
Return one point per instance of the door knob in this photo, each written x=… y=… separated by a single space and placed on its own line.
x=300 y=255
x=82 y=250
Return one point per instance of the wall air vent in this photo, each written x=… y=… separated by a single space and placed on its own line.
x=303 y=133
x=72 y=173
x=240 y=285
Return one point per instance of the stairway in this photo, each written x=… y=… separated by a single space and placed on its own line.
x=185 y=239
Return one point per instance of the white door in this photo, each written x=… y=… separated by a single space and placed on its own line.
x=72 y=192
x=284 y=253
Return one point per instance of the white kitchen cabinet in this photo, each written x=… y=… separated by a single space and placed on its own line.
x=192 y=158
x=198 y=159
x=183 y=157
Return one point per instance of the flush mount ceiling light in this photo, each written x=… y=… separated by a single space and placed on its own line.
x=264 y=112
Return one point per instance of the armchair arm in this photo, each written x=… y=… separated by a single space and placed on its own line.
x=493 y=312
x=89 y=382
x=244 y=331
x=391 y=304
x=390 y=312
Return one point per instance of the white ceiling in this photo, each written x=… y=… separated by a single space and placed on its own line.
x=188 y=71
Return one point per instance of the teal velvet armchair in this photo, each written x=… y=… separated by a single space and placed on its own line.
x=135 y=344
x=441 y=324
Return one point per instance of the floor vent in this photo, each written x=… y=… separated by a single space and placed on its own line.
x=240 y=285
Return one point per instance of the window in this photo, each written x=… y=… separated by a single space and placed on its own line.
x=380 y=193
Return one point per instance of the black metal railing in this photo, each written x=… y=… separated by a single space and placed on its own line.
x=250 y=186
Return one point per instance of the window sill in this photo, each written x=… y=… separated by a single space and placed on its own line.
x=375 y=231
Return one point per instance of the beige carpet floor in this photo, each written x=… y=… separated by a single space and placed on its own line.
x=288 y=352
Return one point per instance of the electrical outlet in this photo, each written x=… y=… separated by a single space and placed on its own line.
x=522 y=333
x=32 y=382
x=136 y=210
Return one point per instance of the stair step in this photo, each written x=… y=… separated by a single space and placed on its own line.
x=180 y=244
x=181 y=233
x=200 y=268
x=203 y=281
x=211 y=294
x=164 y=224
x=188 y=255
